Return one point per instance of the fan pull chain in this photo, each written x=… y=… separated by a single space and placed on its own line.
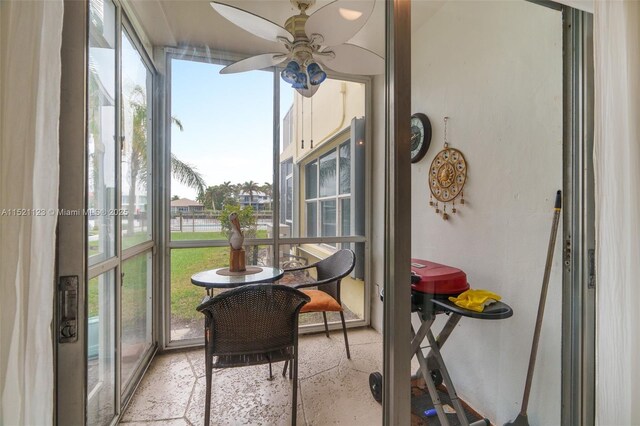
x=311 y=117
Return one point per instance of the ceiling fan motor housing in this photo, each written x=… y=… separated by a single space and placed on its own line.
x=295 y=25
x=303 y=5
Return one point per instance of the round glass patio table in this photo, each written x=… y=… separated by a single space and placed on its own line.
x=222 y=278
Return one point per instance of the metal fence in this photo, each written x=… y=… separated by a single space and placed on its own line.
x=210 y=222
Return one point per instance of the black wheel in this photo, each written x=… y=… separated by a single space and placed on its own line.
x=436 y=376
x=375 y=384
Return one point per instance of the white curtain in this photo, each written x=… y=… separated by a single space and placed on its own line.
x=617 y=173
x=30 y=40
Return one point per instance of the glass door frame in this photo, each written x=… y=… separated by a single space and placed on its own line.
x=396 y=402
x=149 y=246
x=579 y=240
x=70 y=358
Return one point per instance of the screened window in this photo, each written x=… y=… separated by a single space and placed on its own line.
x=286 y=192
x=327 y=174
x=328 y=190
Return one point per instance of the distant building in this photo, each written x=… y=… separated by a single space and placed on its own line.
x=185 y=205
x=260 y=201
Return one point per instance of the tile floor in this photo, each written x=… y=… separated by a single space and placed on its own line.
x=332 y=390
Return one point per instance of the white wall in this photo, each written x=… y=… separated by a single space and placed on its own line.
x=495 y=68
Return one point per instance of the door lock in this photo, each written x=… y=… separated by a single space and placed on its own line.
x=68 y=309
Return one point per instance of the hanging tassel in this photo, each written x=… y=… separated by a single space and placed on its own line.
x=453 y=210
x=462 y=198
x=445 y=216
x=431 y=200
x=437 y=209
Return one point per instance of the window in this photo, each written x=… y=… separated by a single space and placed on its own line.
x=328 y=189
x=287 y=130
x=286 y=192
x=219 y=165
x=136 y=150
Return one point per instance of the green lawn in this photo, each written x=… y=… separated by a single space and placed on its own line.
x=184 y=263
x=127 y=241
x=134 y=292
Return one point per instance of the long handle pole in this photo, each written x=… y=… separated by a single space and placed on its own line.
x=541 y=304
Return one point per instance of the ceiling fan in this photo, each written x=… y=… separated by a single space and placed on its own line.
x=309 y=43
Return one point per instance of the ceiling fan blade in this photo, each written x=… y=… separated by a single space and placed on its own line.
x=255 y=63
x=254 y=24
x=339 y=21
x=352 y=59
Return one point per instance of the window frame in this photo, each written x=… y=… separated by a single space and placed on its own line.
x=214 y=57
x=335 y=145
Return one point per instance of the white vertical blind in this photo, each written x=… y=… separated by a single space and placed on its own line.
x=30 y=40
x=617 y=174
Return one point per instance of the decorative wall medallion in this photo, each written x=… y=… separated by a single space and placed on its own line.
x=447 y=176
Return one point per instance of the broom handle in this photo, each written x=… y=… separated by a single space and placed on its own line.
x=543 y=298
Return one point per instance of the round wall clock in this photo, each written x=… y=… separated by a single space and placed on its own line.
x=420 y=136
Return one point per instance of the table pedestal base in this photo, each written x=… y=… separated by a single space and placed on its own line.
x=237 y=260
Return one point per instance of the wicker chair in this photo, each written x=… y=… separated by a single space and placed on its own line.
x=250 y=325
x=326 y=298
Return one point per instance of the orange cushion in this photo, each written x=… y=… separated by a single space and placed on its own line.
x=320 y=301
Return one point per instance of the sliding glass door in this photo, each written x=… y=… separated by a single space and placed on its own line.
x=102 y=240
x=118 y=220
x=136 y=172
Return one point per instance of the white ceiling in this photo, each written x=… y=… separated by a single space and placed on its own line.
x=195 y=23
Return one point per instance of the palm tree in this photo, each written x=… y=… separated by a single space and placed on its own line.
x=250 y=187
x=228 y=191
x=267 y=189
x=138 y=155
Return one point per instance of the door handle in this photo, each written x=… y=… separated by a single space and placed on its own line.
x=68 y=309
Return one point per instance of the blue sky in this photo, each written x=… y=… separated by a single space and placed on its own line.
x=228 y=124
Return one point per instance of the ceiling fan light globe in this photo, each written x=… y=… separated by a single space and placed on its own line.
x=301 y=81
x=316 y=74
x=291 y=72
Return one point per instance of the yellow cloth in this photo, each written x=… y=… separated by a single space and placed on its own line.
x=475 y=300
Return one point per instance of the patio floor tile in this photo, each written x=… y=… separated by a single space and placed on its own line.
x=331 y=389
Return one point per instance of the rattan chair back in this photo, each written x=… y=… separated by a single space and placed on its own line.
x=249 y=325
x=253 y=319
x=337 y=266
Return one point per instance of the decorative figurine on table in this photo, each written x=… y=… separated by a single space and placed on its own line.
x=236 y=252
